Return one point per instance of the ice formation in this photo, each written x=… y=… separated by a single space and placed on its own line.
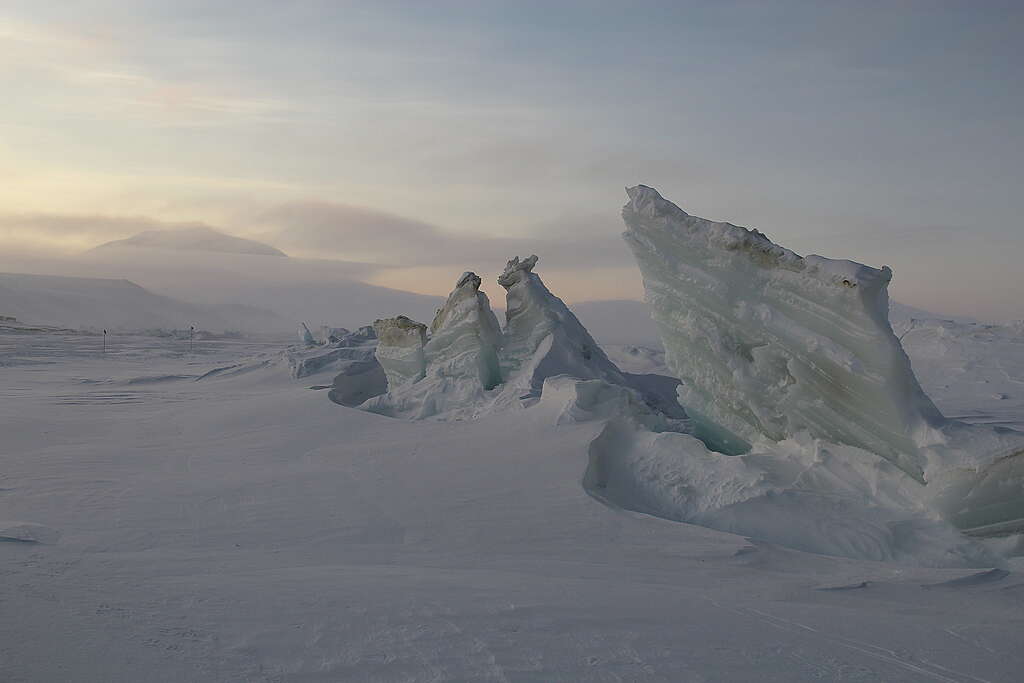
x=771 y=347
x=768 y=343
x=471 y=367
x=542 y=336
x=400 y=349
x=339 y=349
x=465 y=335
x=460 y=360
x=305 y=336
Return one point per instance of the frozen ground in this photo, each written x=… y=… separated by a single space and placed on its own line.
x=159 y=527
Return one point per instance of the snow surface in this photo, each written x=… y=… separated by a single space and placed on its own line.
x=240 y=527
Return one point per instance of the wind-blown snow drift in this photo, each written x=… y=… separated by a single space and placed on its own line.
x=770 y=345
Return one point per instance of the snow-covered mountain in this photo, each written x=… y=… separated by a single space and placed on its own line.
x=198 y=238
x=94 y=303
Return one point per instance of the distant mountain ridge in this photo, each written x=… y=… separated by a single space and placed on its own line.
x=94 y=303
x=198 y=238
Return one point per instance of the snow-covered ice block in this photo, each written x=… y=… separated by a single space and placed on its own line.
x=345 y=348
x=461 y=360
x=400 y=349
x=768 y=343
x=465 y=335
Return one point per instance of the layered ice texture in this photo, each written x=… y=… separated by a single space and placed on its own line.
x=768 y=343
x=771 y=347
x=799 y=419
x=542 y=336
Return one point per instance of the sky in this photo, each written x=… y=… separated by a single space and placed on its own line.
x=430 y=138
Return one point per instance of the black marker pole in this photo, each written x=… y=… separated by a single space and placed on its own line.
x=191 y=329
x=104 y=342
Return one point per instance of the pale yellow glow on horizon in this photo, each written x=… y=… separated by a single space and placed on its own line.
x=592 y=284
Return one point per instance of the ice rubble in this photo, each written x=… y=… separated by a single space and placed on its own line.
x=340 y=349
x=776 y=348
x=454 y=369
x=806 y=425
x=470 y=367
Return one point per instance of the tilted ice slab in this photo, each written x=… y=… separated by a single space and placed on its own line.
x=770 y=345
x=460 y=360
x=543 y=338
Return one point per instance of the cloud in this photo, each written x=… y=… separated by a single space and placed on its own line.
x=75 y=232
x=353 y=233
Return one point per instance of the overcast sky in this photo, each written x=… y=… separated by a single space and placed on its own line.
x=436 y=135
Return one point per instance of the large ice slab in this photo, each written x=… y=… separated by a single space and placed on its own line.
x=771 y=346
x=768 y=343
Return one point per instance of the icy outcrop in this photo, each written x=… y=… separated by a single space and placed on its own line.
x=471 y=367
x=772 y=347
x=465 y=335
x=461 y=360
x=305 y=336
x=331 y=335
x=346 y=347
x=543 y=338
x=768 y=343
x=400 y=350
